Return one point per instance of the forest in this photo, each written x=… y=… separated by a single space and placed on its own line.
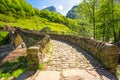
x=98 y=19
x=103 y=16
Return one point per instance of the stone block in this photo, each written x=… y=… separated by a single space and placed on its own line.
x=32 y=57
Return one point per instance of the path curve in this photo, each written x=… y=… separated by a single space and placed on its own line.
x=70 y=62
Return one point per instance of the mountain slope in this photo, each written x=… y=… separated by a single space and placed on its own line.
x=51 y=8
x=72 y=13
x=13 y=12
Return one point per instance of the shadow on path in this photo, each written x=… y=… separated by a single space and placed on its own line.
x=97 y=66
x=5 y=50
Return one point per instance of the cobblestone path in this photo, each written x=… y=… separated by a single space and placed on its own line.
x=70 y=62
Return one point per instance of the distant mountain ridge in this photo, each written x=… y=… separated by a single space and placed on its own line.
x=72 y=13
x=51 y=8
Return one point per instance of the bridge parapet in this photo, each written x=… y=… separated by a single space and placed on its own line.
x=106 y=53
x=35 y=53
x=35 y=43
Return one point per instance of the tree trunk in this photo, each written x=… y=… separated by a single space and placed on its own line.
x=113 y=23
x=94 y=27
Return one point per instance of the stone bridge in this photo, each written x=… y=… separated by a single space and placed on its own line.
x=107 y=54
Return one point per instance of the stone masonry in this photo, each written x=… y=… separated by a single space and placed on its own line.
x=70 y=62
x=106 y=53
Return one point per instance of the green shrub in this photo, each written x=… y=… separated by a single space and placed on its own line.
x=1 y=25
x=4 y=38
x=17 y=72
x=41 y=66
x=6 y=18
x=8 y=66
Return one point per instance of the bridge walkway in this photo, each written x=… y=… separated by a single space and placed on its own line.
x=70 y=62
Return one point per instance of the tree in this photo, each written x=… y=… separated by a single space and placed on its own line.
x=107 y=16
x=88 y=11
x=104 y=16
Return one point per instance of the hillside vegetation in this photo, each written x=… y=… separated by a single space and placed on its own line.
x=95 y=18
x=19 y=13
x=3 y=37
x=33 y=23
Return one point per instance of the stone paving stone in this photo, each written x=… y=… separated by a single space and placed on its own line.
x=76 y=74
x=48 y=75
x=72 y=63
x=68 y=57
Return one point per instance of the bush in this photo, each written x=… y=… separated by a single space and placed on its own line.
x=4 y=38
x=8 y=66
x=5 y=18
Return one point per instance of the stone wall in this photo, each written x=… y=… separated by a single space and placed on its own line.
x=35 y=42
x=30 y=37
x=106 y=53
x=35 y=53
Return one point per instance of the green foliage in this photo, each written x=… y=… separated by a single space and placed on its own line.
x=104 y=16
x=20 y=9
x=8 y=66
x=1 y=25
x=17 y=72
x=41 y=66
x=16 y=8
x=37 y=23
x=3 y=37
x=5 y=18
x=4 y=75
x=108 y=20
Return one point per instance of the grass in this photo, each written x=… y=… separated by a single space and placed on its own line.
x=8 y=71
x=41 y=66
x=32 y=23
x=3 y=33
x=35 y=23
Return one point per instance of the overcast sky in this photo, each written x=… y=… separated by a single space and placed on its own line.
x=62 y=6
